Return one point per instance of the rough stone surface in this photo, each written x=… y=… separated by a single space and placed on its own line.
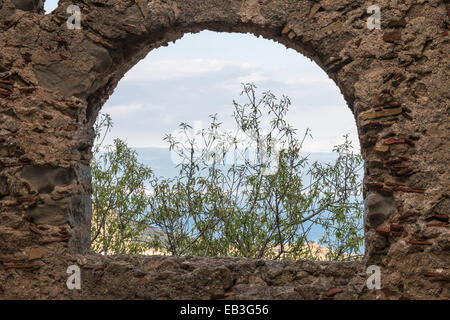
x=53 y=82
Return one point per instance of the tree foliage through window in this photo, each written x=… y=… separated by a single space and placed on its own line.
x=250 y=192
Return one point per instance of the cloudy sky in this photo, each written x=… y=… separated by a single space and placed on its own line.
x=201 y=74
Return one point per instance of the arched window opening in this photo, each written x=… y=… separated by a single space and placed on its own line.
x=290 y=195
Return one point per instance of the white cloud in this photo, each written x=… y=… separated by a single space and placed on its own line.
x=122 y=109
x=252 y=77
x=234 y=84
x=301 y=79
x=176 y=69
x=328 y=125
x=284 y=77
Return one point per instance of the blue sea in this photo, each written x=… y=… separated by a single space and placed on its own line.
x=160 y=160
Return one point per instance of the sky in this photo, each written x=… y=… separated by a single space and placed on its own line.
x=201 y=74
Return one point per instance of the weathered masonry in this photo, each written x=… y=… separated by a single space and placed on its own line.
x=54 y=80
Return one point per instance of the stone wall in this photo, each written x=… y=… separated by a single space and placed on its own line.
x=54 y=80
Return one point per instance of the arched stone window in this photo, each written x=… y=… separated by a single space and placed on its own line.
x=55 y=79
